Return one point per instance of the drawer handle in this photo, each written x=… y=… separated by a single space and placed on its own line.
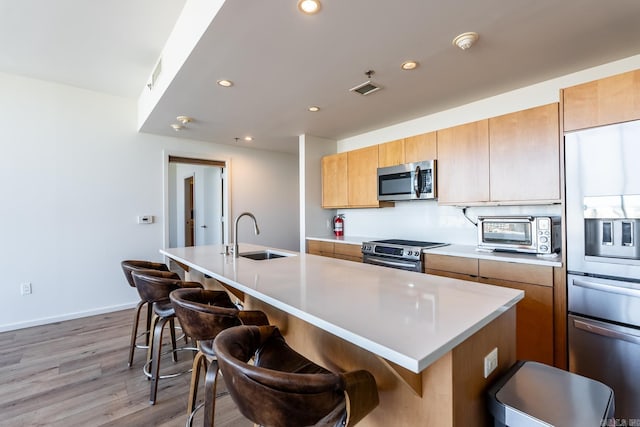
x=605 y=332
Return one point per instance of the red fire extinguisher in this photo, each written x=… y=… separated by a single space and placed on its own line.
x=338 y=225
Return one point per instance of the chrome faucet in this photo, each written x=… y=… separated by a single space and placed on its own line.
x=235 y=230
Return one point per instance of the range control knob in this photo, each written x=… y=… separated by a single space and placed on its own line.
x=544 y=239
x=544 y=248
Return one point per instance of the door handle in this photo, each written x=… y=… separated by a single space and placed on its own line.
x=618 y=288
x=203 y=226
x=606 y=332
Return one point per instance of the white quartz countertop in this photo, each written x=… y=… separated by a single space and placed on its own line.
x=408 y=318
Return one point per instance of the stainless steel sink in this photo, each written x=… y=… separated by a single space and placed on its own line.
x=266 y=254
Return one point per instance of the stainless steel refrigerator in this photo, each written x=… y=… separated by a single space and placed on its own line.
x=603 y=259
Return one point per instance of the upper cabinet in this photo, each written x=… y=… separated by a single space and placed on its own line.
x=510 y=159
x=362 y=176
x=350 y=179
x=391 y=153
x=610 y=100
x=334 y=181
x=420 y=147
x=524 y=155
x=412 y=149
x=463 y=164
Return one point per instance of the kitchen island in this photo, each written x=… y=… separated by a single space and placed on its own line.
x=423 y=337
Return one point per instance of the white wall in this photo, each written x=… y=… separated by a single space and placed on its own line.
x=75 y=174
x=425 y=220
x=313 y=219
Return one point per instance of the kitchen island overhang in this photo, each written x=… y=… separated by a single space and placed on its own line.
x=408 y=321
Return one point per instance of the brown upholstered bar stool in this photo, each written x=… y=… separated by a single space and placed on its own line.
x=154 y=287
x=284 y=389
x=127 y=267
x=203 y=314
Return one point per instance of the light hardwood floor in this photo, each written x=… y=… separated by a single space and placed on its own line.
x=75 y=373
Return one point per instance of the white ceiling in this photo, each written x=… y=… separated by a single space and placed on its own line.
x=282 y=62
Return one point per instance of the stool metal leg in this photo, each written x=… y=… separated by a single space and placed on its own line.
x=155 y=357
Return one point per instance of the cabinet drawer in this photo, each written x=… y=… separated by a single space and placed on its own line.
x=318 y=247
x=348 y=250
x=454 y=264
x=515 y=272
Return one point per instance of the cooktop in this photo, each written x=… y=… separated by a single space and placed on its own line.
x=414 y=243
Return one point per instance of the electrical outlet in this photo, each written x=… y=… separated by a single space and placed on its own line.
x=25 y=288
x=145 y=219
x=490 y=362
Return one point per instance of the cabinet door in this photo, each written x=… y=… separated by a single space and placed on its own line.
x=534 y=313
x=319 y=247
x=363 y=177
x=451 y=266
x=391 y=153
x=334 y=181
x=610 y=100
x=463 y=163
x=348 y=251
x=525 y=155
x=420 y=147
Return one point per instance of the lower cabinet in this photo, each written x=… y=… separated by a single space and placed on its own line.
x=335 y=250
x=534 y=323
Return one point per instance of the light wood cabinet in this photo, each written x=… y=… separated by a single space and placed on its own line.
x=415 y=148
x=524 y=155
x=534 y=314
x=420 y=147
x=463 y=163
x=510 y=159
x=334 y=181
x=362 y=177
x=391 y=153
x=345 y=251
x=605 y=101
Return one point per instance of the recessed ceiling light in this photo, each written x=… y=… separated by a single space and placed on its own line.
x=177 y=127
x=465 y=40
x=248 y=138
x=309 y=7
x=225 y=83
x=313 y=108
x=409 y=65
x=184 y=119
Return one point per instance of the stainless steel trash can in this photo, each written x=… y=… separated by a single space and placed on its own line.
x=532 y=394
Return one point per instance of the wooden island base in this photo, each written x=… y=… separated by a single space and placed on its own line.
x=450 y=392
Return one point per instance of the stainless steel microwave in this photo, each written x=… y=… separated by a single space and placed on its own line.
x=528 y=234
x=410 y=181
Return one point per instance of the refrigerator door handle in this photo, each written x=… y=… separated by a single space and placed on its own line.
x=619 y=288
x=606 y=332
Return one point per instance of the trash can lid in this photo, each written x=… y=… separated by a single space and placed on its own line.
x=538 y=394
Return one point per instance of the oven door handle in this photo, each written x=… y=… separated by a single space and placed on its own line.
x=606 y=332
x=388 y=263
x=614 y=289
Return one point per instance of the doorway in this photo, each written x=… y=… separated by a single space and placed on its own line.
x=196 y=201
x=189 y=235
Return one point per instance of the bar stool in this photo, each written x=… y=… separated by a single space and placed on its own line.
x=284 y=389
x=127 y=267
x=203 y=314
x=154 y=287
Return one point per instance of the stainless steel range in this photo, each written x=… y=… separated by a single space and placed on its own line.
x=396 y=253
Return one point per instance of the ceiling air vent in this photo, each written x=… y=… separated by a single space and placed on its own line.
x=367 y=87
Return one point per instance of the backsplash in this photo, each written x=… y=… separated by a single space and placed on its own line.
x=425 y=220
